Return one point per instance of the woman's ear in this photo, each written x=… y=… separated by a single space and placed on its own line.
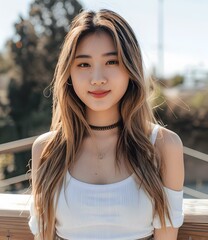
x=69 y=81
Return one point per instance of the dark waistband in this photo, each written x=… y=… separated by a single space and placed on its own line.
x=145 y=238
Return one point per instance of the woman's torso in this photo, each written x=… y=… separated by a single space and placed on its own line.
x=119 y=210
x=102 y=203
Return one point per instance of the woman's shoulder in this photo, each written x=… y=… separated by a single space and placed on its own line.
x=38 y=147
x=37 y=150
x=170 y=148
x=167 y=139
x=42 y=140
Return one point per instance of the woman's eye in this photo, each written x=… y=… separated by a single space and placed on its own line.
x=83 y=65
x=112 y=62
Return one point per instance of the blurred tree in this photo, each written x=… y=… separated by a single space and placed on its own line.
x=24 y=92
x=6 y=123
x=177 y=80
x=51 y=19
x=5 y=63
x=35 y=52
x=35 y=49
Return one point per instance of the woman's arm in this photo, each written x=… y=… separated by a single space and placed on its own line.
x=170 y=149
x=37 y=150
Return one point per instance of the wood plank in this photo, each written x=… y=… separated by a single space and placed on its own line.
x=15 y=228
x=196 y=210
x=14 y=214
x=196 y=154
x=17 y=146
x=195 y=225
x=191 y=231
x=14 y=205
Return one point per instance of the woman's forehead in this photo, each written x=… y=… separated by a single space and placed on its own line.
x=97 y=42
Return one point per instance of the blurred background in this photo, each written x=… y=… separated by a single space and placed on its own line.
x=173 y=36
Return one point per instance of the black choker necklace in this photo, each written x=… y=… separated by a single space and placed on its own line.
x=103 y=128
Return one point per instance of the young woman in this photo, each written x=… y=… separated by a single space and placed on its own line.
x=106 y=170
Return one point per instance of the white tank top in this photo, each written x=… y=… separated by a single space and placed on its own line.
x=117 y=211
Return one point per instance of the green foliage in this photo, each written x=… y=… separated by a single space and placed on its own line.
x=5 y=63
x=51 y=20
x=199 y=100
x=34 y=51
x=24 y=99
x=177 y=80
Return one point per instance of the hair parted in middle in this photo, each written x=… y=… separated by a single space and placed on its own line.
x=70 y=126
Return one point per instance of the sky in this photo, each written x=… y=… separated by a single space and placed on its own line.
x=185 y=31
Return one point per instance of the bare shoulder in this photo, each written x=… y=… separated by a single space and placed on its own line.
x=168 y=139
x=40 y=142
x=37 y=149
x=170 y=148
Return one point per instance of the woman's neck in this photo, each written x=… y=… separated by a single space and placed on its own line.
x=104 y=118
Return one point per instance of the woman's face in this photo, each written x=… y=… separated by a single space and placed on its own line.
x=98 y=78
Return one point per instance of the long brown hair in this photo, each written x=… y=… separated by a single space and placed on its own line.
x=69 y=125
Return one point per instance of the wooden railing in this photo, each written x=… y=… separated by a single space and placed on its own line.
x=14 y=209
x=195 y=226
x=14 y=215
x=14 y=147
x=17 y=146
x=25 y=144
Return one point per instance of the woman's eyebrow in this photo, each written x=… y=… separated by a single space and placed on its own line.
x=83 y=56
x=110 y=54
x=104 y=55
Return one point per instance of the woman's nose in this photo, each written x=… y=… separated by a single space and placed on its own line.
x=98 y=78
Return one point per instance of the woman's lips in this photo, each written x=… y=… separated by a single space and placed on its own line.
x=99 y=94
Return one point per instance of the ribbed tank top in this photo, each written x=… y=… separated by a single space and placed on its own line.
x=117 y=211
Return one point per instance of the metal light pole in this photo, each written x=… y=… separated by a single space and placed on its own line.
x=160 y=68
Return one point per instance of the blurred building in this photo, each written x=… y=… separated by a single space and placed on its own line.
x=196 y=78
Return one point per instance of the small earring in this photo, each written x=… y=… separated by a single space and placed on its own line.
x=69 y=82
